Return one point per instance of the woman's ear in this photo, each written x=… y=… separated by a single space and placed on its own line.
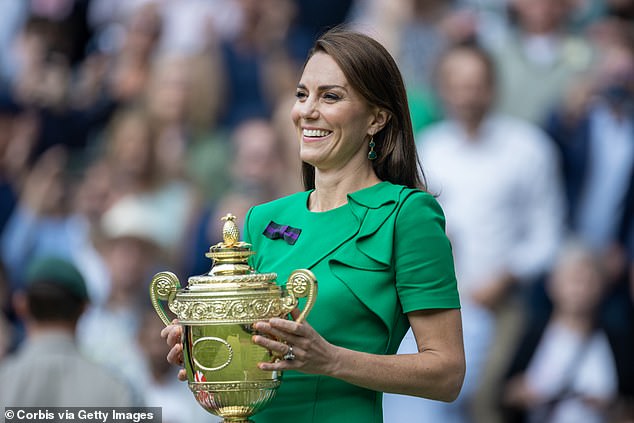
x=381 y=118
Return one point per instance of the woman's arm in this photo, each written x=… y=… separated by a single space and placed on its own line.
x=435 y=372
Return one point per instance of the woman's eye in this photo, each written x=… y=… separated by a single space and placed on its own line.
x=300 y=95
x=331 y=96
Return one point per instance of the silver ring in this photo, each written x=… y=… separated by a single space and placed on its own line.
x=289 y=354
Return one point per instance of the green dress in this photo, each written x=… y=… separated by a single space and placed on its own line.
x=383 y=254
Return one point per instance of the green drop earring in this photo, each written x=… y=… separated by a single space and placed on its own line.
x=372 y=153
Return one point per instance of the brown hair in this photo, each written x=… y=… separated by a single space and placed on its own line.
x=372 y=72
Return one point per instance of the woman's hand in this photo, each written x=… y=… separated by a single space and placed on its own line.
x=172 y=335
x=312 y=353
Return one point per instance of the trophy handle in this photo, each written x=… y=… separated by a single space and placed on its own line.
x=163 y=287
x=301 y=283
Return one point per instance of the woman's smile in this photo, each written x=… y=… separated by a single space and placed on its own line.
x=312 y=135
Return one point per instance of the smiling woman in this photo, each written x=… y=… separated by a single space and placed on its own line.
x=374 y=238
x=333 y=120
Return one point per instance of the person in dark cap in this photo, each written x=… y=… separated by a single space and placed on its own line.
x=48 y=369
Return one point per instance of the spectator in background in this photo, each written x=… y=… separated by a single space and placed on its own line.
x=125 y=65
x=42 y=222
x=130 y=154
x=564 y=369
x=595 y=135
x=91 y=199
x=417 y=32
x=596 y=142
x=182 y=102
x=496 y=178
x=207 y=155
x=540 y=60
x=56 y=214
x=131 y=249
x=139 y=176
x=257 y=60
x=44 y=89
x=48 y=370
x=108 y=79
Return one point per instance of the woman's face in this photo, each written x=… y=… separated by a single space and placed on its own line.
x=332 y=120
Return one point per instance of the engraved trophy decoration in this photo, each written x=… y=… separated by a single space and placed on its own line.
x=217 y=311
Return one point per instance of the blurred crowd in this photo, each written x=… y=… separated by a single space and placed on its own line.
x=129 y=127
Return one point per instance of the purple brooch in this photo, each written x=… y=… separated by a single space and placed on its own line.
x=287 y=233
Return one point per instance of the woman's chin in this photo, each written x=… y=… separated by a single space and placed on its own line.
x=309 y=157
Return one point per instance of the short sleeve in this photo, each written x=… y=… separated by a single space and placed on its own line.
x=425 y=275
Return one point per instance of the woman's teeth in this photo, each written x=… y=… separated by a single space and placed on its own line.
x=315 y=133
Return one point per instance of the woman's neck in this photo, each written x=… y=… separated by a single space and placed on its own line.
x=332 y=188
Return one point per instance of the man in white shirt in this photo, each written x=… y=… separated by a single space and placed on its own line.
x=497 y=180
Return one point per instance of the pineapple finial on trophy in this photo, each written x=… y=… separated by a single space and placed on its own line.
x=230 y=232
x=230 y=255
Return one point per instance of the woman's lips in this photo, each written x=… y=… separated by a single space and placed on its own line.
x=314 y=134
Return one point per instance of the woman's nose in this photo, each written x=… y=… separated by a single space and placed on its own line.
x=309 y=109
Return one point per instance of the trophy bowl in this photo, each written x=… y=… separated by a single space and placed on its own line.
x=217 y=312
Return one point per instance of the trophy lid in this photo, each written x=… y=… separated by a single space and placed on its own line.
x=230 y=257
x=230 y=260
x=232 y=291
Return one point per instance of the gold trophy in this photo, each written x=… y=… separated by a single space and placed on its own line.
x=217 y=311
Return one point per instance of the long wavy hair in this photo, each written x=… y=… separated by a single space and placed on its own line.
x=372 y=72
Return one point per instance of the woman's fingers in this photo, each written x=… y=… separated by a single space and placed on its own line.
x=175 y=355
x=285 y=325
x=277 y=333
x=174 y=337
x=276 y=327
x=280 y=349
x=172 y=334
x=165 y=331
x=169 y=328
x=277 y=347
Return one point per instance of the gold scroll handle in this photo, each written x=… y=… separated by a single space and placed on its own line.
x=163 y=287
x=301 y=283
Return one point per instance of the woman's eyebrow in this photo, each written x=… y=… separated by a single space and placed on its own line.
x=323 y=87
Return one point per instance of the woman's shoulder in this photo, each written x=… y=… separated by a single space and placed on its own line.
x=388 y=192
x=394 y=196
x=417 y=208
x=418 y=199
x=401 y=202
x=413 y=198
